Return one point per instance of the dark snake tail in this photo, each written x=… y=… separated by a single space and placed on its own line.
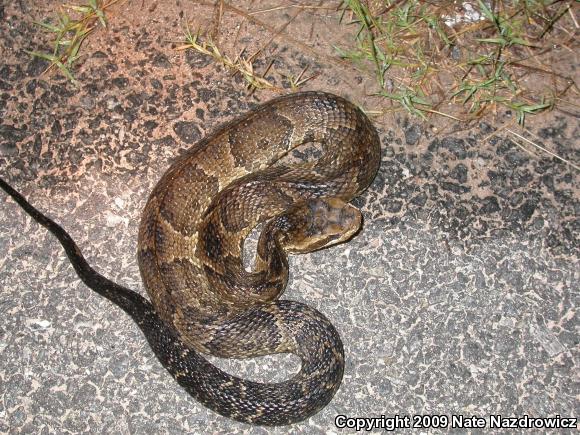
x=267 y=404
x=128 y=300
x=201 y=298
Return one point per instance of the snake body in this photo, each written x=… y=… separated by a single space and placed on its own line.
x=190 y=252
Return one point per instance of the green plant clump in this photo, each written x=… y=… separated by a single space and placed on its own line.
x=477 y=59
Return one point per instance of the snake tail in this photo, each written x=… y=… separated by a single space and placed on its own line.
x=206 y=383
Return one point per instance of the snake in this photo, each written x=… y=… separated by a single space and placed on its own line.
x=203 y=299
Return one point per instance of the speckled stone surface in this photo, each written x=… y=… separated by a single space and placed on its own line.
x=458 y=298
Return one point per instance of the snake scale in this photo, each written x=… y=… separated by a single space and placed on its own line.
x=190 y=252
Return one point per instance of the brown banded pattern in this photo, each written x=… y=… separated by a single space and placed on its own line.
x=190 y=247
x=206 y=204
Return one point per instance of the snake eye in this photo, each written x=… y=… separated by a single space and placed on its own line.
x=284 y=237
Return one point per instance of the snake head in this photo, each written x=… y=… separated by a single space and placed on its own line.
x=318 y=223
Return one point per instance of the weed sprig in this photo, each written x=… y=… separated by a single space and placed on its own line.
x=70 y=29
x=240 y=64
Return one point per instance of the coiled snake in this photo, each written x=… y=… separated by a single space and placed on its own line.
x=190 y=252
